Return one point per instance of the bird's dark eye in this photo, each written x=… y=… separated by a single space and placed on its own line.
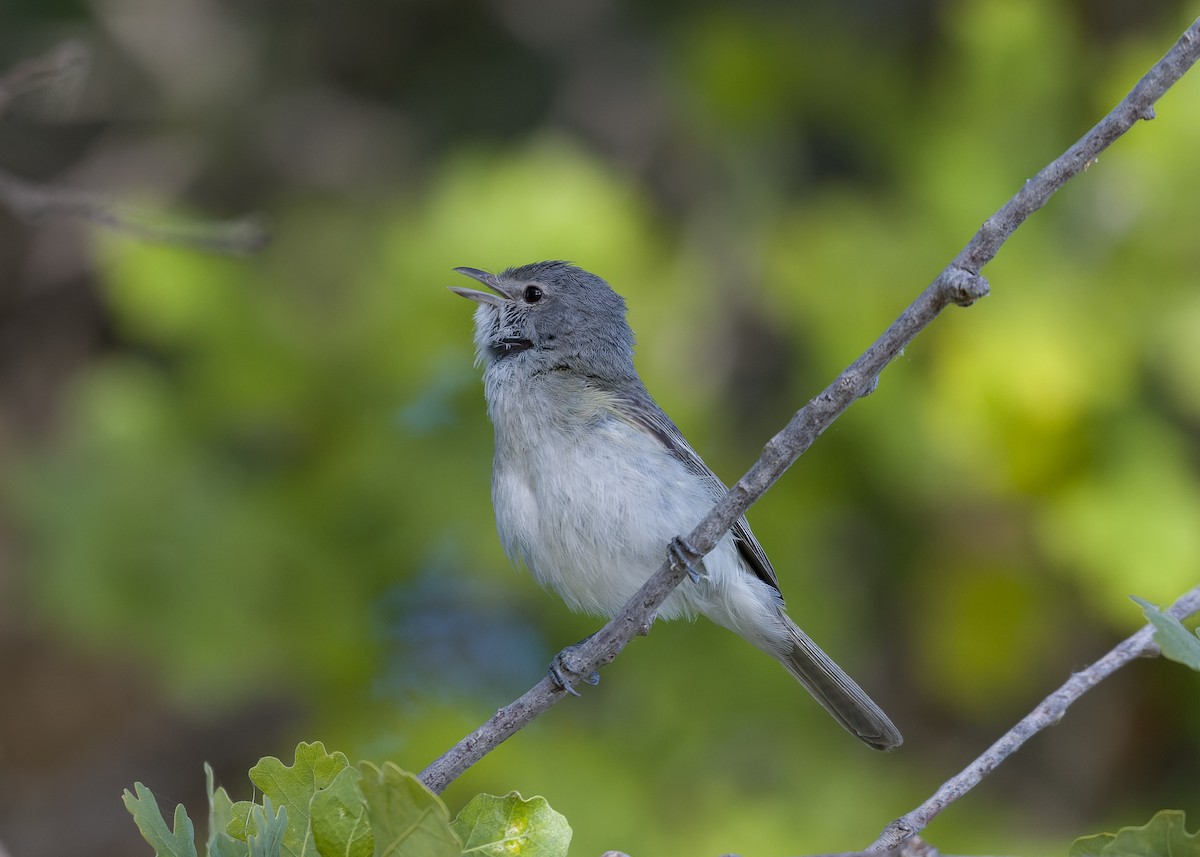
x=533 y=294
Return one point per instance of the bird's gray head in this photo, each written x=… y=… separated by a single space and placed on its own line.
x=549 y=315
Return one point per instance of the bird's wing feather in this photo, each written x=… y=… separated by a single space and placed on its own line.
x=645 y=414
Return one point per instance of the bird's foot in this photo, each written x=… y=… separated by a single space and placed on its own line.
x=565 y=668
x=683 y=555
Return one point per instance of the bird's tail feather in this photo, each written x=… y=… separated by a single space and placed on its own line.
x=837 y=692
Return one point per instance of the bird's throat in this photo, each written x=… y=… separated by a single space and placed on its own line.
x=509 y=346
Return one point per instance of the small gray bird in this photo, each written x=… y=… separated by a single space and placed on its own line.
x=591 y=480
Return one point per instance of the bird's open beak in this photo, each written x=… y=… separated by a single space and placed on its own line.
x=489 y=280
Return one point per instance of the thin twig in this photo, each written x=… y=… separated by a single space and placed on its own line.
x=35 y=203
x=1049 y=712
x=960 y=283
x=63 y=66
x=1138 y=104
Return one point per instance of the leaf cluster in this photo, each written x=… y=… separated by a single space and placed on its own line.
x=322 y=805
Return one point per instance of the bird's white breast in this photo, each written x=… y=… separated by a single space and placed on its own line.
x=589 y=501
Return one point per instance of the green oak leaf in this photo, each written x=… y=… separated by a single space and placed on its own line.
x=338 y=816
x=241 y=821
x=1162 y=836
x=407 y=819
x=270 y=827
x=511 y=825
x=1176 y=641
x=220 y=813
x=149 y=819
x=292 y=788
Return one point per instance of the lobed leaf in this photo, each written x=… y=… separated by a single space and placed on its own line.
x=338 y=816
x=407 y=819
x=511 y=825
x=271 y=829
x=1162 y=836
x=166 y=843
x=220 y=813
x=241 y=821
x=293 y=788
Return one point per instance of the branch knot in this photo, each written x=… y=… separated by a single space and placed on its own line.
x=959 y=286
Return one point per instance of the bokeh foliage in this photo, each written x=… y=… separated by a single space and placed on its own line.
x=276 y=480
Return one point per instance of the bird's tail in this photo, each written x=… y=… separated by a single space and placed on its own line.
x=836 y=691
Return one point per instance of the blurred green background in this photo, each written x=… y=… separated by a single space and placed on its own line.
x=245 y=500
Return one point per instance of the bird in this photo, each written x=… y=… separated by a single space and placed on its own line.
x=592 y=481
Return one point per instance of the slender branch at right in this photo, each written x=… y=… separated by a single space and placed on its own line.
x=1138 y=104
x=1049 y=712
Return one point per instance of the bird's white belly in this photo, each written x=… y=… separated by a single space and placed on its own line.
x=590 y=503
x=591 y=513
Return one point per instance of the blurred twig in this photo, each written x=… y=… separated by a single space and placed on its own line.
x=62 y=68
x=960 y=283
x=1049 y=712
x=38 y=202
